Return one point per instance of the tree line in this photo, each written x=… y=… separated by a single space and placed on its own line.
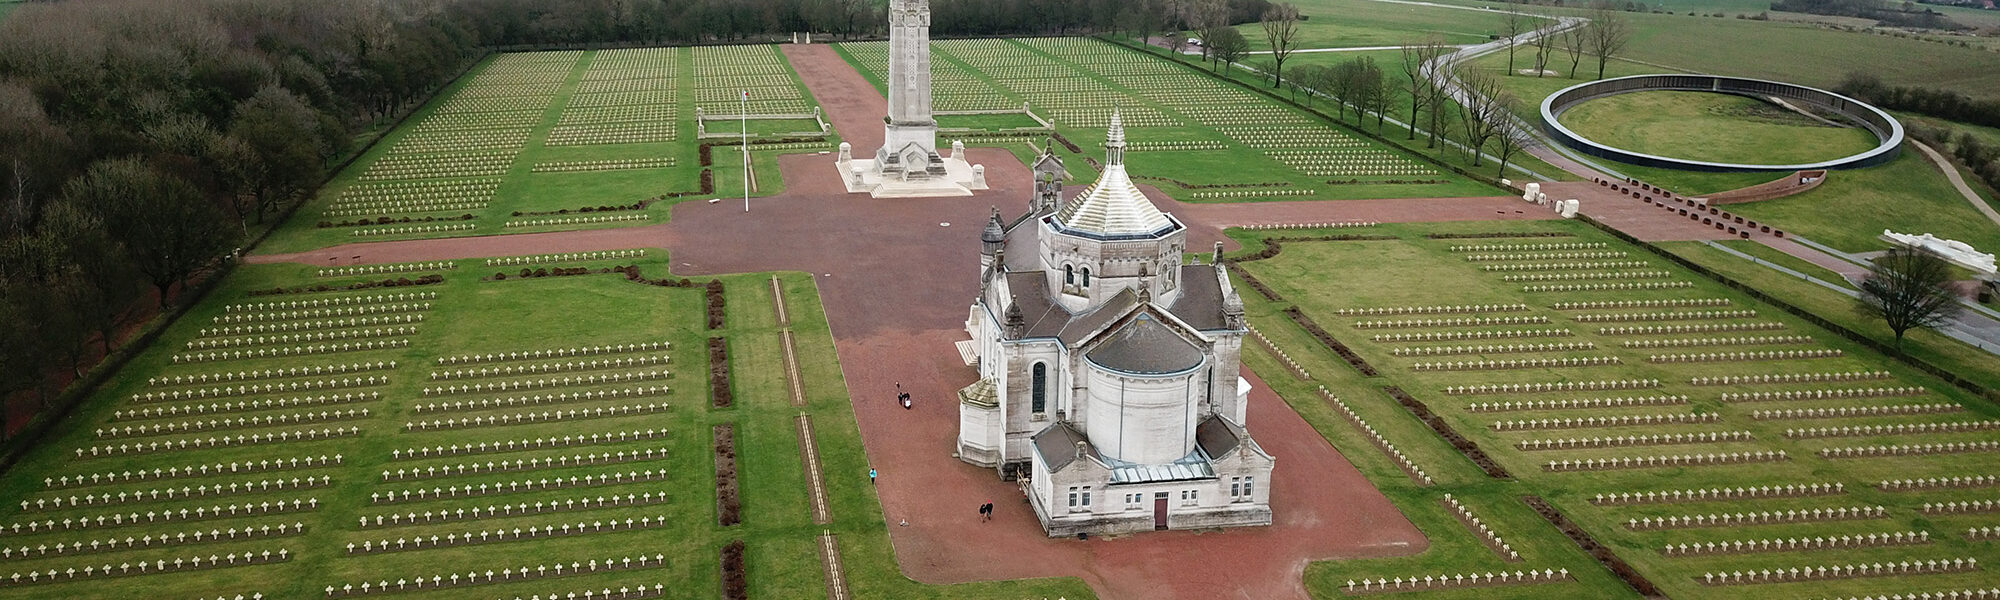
x=142 y=141
x=1981 y=157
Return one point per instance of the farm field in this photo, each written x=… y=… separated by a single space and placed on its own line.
x=409 y=404
x=1621 y=365
x=1363 y=23
x=1712 y=127
x=544 y=141
x=1195 y=137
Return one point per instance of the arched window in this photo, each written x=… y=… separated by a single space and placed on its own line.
x=1069 y=275
x=1041 y=388
x=1086 y=276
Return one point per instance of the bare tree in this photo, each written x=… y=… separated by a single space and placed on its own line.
x=1609 y=32
x=1513 y=135
x=1226 y=45
x=1208 y=17
x=1573 y=41
x=1545 y=45
x=1418 y=84
x=1908 y=288
x=1482 y=109
x=1513 y=23
x=1281 y=32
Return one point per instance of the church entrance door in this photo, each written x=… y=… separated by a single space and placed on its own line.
x=1159 y=511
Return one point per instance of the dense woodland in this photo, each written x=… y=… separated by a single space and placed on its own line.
x=142 y=142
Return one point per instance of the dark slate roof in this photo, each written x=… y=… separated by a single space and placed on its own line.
x=1143 y=346
x=1216 y=436
x=1081 y=326
x=1057 y=445
x=1043 y=316
x=1200 y=304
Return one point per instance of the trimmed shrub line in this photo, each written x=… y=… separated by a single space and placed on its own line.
x=1464 y=446
x=1326 y=339
x=1604 y=556
x=716 y=304
x=718 y=373
x=735 y=580
x=729 y=510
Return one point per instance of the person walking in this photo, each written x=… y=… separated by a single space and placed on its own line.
x=871 y=476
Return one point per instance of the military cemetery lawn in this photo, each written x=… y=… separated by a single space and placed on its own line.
x=559 y=424
x=1648 y=405
x=1193 y=136
x=541 y=141
x=1713 y=127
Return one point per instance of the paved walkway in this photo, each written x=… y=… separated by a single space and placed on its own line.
x=1957 y=181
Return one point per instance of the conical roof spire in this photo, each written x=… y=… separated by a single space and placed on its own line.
x=994 y=236
x=1113 y=207
x=1114 y=140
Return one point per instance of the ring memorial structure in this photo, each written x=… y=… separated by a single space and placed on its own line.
x=1886 y=128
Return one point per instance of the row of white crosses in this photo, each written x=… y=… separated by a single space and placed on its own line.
x=1556 y=386
x=580 y=166
x=407 y=166
x=1443 y=336
x=1610 y=421
x=312 y=371
x=1961 y=507
x=416 y=267
x=503 y=535
x=574 y=414
x=535 y=369
x=161 y=412
x=204 y=470
x=1769 y=517
x=1695 y=315
x=1493 y=540
x=1409 y=467
x=1754 y=340
x=1826 y=394
x=1650 y=462
x=508 y=510
x=1909 y=449
x=1842 y=412
x=525 y=444
x=1789 y=490
x=1982 y=533
x=376 y=208
x=1280 y=353
x=1530 y=256
x=163 y=516
x=1328 y=225
x=1621 y=286
x=232 y=423
x=1498 y=349
x=1775 y=378
x=529 y=384
x=527 y=464
x=1837 y=542
x=1809 y=573
x=180 y=493
x=554 y=353
x=1965 y=594
x=158 y=567
x=537 y=259
x=605 y=594
x=1244 y=193
x=1574 y=403
x=579 y=220
x=1588 y=276
x=1523 y=363
x=301 y=338
x=1565 y=266
x=321 y=313
x=256 y=389
x=1657 y=439
x=289 y=351
x=1937 y=483
x=1446 y=581
x=1747 y=356
x=1457 y=322
x=413 y=229
x=1692 y=328
x=324 y=302
x=505 y=574
x=1896 y=429
x=1432 y=309
x=1539 y=247
x=162 y=540
x=510 y=487
x=1660 y=303
x=316 y=324
x=421 y=194
x=282 y=437
x=534 y=399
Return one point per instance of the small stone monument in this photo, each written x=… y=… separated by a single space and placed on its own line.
x=1568 y=208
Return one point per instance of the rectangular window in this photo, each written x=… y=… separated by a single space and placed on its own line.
x=1072 y=497
x=1086 y=496
x=1249 y=483
x=1235 y=487
x=1190 y=497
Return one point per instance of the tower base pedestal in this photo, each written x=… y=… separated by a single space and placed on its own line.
x=956 y=177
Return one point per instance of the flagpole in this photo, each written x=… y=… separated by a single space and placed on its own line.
x=744 y=115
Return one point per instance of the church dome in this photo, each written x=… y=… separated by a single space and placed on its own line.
x=1145 y=346
x=1113 y=208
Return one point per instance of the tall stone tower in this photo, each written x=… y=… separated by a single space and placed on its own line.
x=908 y=165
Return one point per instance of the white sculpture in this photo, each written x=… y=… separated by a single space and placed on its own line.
x=1568 y=208
x=1953 y=251
x=1533 y=193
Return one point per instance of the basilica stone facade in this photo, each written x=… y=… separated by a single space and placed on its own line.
x=1108 y=370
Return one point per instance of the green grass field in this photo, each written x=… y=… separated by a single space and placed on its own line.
x=471 y=316
x=1300 y=276
x=1362 y=23
x=1712 y=127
